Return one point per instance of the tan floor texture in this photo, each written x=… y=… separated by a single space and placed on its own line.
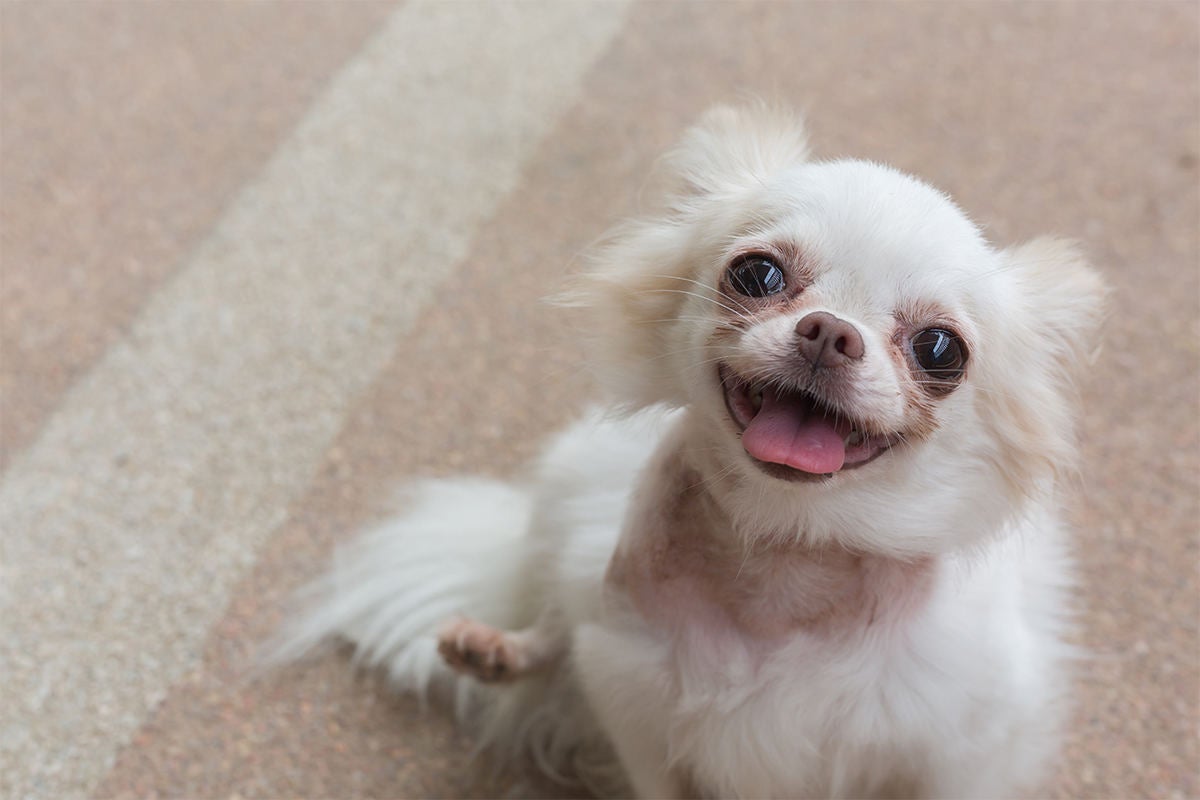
x=263 y=261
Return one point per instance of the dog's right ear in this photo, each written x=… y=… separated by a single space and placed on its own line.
x=639 y=278
x=630 y=295
x=732 y=148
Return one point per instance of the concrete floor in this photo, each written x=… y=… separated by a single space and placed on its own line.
x=263 y=261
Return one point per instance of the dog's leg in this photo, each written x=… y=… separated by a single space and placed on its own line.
x=623 y=678
x=492 y=655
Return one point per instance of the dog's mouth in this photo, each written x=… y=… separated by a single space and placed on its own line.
x=794 y=434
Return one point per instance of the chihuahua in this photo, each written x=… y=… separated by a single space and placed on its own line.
x=813 y=546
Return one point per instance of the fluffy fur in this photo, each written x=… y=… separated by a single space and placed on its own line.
x=659 y=612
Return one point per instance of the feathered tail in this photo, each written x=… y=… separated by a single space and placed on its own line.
x=456 y=550
x=461 y=547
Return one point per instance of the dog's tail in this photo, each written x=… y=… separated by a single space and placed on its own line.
x=458 y=549
x=461 y=548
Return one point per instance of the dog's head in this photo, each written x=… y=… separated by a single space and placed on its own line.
x=867 y=364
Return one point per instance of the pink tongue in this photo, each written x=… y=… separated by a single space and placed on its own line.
x=784 y=432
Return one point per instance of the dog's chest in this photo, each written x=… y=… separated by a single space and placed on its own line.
x=688 y=575
x=696 y=588
x=800 y=642
x=739 y=640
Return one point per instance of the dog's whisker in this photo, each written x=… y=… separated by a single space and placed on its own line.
x=739 y=314
x=701 y=284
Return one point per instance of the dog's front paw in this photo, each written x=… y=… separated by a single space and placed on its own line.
x=479 y=650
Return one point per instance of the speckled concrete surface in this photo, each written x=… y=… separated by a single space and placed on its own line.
x=126 y=129
x=1080 y=119
x=193 y=434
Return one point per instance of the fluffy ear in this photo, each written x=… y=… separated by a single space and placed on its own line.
x=639 y=278
x=1065 y=296
x=1050 y=336
x=630 y=297
x=730 y=148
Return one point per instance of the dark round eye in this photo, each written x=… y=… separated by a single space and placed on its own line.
x=940 y=353
x=756 y=276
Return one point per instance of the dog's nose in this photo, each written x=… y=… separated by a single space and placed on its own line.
x=828 y=341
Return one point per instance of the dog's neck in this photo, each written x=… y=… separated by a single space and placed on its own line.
x=686 y=567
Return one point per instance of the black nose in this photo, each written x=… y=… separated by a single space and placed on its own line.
x=827 y=341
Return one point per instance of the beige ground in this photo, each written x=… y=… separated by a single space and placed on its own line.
x=262 y=261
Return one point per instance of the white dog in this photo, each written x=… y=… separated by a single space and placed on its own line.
x=817 y=552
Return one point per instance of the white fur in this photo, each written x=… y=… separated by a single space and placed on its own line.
x=954 y=686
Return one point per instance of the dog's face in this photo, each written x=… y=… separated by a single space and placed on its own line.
x=840 y=329
x=868 y=367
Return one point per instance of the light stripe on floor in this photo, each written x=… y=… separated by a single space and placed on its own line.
x=125 y=525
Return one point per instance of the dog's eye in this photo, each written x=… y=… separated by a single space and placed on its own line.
x=940 y=353
x=756 y=276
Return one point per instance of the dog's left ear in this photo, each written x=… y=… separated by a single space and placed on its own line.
x=1048 y=335
x=1065 y=298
